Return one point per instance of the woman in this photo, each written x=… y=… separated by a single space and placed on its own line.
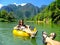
x=21 y=25
x=25 y=28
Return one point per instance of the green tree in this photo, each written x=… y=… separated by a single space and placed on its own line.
x=6 y=16
x=3 y=14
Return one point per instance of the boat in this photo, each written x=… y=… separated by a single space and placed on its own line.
x=22 y=33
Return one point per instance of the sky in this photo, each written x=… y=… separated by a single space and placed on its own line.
x=34 y=2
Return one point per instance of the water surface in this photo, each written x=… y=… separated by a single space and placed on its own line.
x=7 y=38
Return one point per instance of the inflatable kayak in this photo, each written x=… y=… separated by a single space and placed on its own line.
x=22 y=33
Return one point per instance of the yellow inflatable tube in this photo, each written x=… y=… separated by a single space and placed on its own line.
x=22 y=33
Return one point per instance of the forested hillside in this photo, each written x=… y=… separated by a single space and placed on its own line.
x=19 y=12
x=50 y=13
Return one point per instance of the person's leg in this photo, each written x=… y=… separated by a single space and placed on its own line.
x=44 y=35
x=52 y=42
x=52 y=36
x=48 y=44
x=49 y=40
x=31 y=33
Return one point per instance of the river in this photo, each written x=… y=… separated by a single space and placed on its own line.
x=7 y=38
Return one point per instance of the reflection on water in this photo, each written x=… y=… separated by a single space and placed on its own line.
x=32 y=40
x=7 y=38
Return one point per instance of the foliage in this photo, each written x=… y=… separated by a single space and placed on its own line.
x=23 y=12
x=50 y=12
x=5 y=16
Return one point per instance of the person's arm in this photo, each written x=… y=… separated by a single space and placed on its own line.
x=27 y=26
x=16 y=27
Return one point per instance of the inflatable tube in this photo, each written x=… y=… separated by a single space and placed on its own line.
x=22 y=33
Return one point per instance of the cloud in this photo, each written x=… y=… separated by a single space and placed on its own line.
x=15 y=4
x=20 y=4
x=23 y=4
x=1 y=5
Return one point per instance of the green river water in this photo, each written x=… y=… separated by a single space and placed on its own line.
x=7 y=38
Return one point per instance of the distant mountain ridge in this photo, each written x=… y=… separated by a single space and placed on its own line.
x=20 y=12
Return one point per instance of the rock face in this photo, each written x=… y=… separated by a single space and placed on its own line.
x=26 y=11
